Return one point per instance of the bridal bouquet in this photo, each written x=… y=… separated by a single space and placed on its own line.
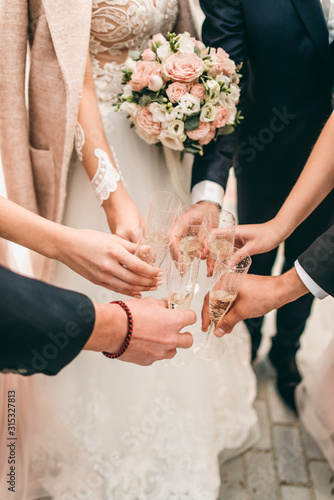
x=180 y=92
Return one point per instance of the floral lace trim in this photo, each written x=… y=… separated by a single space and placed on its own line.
x=79 y=140
x=106 y=177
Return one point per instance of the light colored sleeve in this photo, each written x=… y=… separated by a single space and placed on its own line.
x=207 y=191
x=314 y=288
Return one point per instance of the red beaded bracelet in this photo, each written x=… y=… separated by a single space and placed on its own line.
x=128 y=336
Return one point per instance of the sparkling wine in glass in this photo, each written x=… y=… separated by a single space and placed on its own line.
x=219 y=226
x=190 y=231
x=152 y=244
x=228 y=275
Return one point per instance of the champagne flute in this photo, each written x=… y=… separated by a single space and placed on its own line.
x=162 y=210
x=181 y=278
x=153 y=244
x=219 y=226
x=228 y=275
x=190 y=231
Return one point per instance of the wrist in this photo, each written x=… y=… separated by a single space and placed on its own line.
x=289 y=287
x=62 y=239
x=110 y=328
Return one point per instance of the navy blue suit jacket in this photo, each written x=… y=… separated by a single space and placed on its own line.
x=287 y=83
x=42 y=327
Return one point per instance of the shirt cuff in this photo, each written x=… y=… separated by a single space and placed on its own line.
x=314 y=288
x=207 y=191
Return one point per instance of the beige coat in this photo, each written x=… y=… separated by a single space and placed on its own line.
x=36 y=145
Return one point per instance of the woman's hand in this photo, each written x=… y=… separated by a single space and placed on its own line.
x=258 y=238
x=106 y=260
x=123 y=216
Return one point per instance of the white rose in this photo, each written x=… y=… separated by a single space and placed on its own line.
x=127 y=91
x=130 y=65
x=156 y=83
x=170 y=141
x=208 y=113
x=176 y=128
x=164 y=51
x=159 y=112
x=177 y=113
x=223 y=79
x=213 y=90
x=235 y=93
x=129 y=107
x=233 y=112
x=186 y=46
x=190 y=104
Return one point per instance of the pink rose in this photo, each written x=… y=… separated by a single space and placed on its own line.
x=156 y=83
x=145 y=121
x=221 y=63
x=209 y=137
x=157 y=38
x=183 y=68
x=222 y=116
x=148 y=55
x=143 y=73
x=200 y=132
x=175 y=91
x=198 y=91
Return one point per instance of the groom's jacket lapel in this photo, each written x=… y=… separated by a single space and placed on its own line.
x=312 y=17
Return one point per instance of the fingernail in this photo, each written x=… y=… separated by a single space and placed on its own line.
x=153 y=289
x=161 y=273
x=159 y=283
x=220 y=332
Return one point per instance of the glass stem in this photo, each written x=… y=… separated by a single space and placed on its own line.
x=210 y=332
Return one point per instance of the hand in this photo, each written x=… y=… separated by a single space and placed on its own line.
x=156 y=333
x=259 y=295
x=123 y=216
x=205 y=313
x=107 y=260
x=258 y=238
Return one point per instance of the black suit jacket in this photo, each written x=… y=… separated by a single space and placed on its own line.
x=42 y=327
x=318 y=261
x=287 y=83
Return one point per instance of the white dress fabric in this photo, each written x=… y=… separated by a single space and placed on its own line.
x=118 y=431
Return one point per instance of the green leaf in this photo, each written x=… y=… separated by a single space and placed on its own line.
x=191 y=122
x=193 y=149
x=197 y=51
x=144 y=101
x=228 y=129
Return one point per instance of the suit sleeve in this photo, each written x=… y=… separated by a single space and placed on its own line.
x=43 y=327
x=318 y=261
x=223 y=27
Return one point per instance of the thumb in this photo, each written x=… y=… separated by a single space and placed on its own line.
x=187 y=318
x=227 y=323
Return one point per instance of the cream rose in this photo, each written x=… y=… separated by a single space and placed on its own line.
x=190 y=104
x=213 y=90
x=156 y=83
x=170 y=141
x=208 y=112
x=222 y=116
x=186 y=45
x=159 y=112
x=175 y=91
x=143 y=73
x=198 y=91
x=145 y=121
x=164 y=51
x=176 y=127
x=183 y=68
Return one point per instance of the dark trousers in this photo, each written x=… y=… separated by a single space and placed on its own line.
x=256 y=206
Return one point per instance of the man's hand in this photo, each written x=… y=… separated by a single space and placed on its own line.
x=258 y=296
x=156 y=332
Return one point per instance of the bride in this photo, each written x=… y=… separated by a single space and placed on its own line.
x=108 y=430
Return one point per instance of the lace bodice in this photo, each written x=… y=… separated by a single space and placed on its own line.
x=119 y=26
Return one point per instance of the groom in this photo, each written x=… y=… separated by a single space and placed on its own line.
x=288 y=65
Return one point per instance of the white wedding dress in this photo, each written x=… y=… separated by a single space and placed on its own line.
x=120 y=431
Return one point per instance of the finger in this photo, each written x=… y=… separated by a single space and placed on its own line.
x=163 y=303
x=132 y=278
x=185 y=340
x=170 y=354
x=139 y=267
x=128 y=245
x=227 y=323
x=120 y=286
x=210 y=263
x=205 y=314
x=187 y=318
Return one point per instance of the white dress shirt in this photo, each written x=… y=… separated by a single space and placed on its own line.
x=328 y=8
x=314 y=288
